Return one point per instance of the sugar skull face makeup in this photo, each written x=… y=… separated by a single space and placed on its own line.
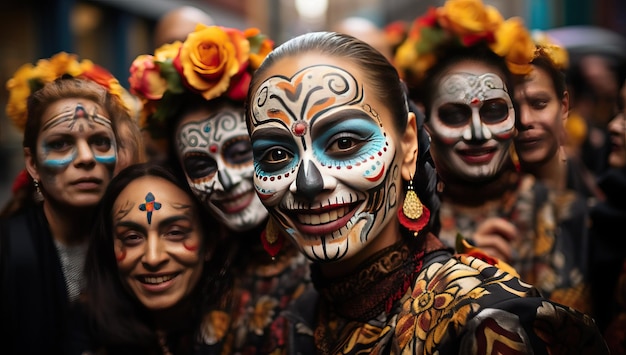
x=76 y=152
x=215 y=151
x=325 y=160
x=472 y=122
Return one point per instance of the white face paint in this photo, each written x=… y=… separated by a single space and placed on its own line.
x=325 y=160
x=215 y=152
x=472 y=123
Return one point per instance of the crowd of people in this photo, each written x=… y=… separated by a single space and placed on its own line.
x=347 y=191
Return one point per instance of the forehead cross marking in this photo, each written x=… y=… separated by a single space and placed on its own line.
x=150 y=206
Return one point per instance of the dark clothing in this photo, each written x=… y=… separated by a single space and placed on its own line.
x=34 y=299
x=608 y=245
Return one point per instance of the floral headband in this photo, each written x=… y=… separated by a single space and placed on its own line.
x=28 y=79
x=463 y=23
x=213 y=62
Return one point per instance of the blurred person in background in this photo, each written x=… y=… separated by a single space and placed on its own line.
x=68 y=111
x=608 y=245
x=172 y=26
x=594 y=82
x=367 y=31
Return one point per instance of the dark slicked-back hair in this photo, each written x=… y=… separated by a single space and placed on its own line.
x=382 y=77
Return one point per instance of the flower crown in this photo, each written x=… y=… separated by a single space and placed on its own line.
x=213 y=62
x=30 y=78
x=463 y=23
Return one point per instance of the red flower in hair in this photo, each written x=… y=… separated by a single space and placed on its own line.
x=21 y=181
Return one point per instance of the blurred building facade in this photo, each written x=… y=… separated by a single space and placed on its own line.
x=113 y=32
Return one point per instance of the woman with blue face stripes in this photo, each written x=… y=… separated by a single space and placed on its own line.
x=70 y=154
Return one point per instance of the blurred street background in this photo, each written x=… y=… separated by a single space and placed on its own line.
x=113 y=32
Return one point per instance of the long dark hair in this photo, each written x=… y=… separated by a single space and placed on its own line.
x=117 y=318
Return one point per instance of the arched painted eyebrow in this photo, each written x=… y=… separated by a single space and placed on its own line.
x=272 y=134
x=187 y=215
x=337 y=117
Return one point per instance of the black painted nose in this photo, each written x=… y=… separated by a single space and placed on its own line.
x=310 y=183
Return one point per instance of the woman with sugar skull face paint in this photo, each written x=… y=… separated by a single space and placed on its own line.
x=203 y=120
x=335 y=153
x=70 y=153
x=467 y=93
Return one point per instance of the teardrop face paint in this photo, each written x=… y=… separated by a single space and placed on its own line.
x=216 y=155
x=472 y=123
x=325 y=159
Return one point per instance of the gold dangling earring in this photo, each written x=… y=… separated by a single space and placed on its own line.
x=413 y=215
x=412 y=206
x=272 y=239
x=38 y=196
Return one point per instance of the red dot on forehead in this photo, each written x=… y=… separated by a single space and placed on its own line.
x=213 y=148
x=475 y=101
x=299 y=128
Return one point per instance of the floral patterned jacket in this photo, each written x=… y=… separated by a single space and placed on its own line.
x=248 y=322
x=454 y=304
x=551 y=251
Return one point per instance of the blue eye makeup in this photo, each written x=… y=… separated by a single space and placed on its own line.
x=274 y=155
x=348 y=142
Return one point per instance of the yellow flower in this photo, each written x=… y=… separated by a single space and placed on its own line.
x=210 y=57
x=19 y=90
x=470 y=20
x=514 y=43
x=58 y=65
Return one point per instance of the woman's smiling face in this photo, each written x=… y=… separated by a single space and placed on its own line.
x=326 y=155
x=157 y=241
x=214 y=149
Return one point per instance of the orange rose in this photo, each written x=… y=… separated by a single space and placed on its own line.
x=470 y=20
x=514 y=43
x=210 y=57
x=145 y=78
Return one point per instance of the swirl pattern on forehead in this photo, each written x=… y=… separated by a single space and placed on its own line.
x=305 y=96
x=198 y=134
x=468 y=87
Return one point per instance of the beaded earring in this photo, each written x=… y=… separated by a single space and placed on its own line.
x=38 y=196
x=413 y=215
x=272 y=239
